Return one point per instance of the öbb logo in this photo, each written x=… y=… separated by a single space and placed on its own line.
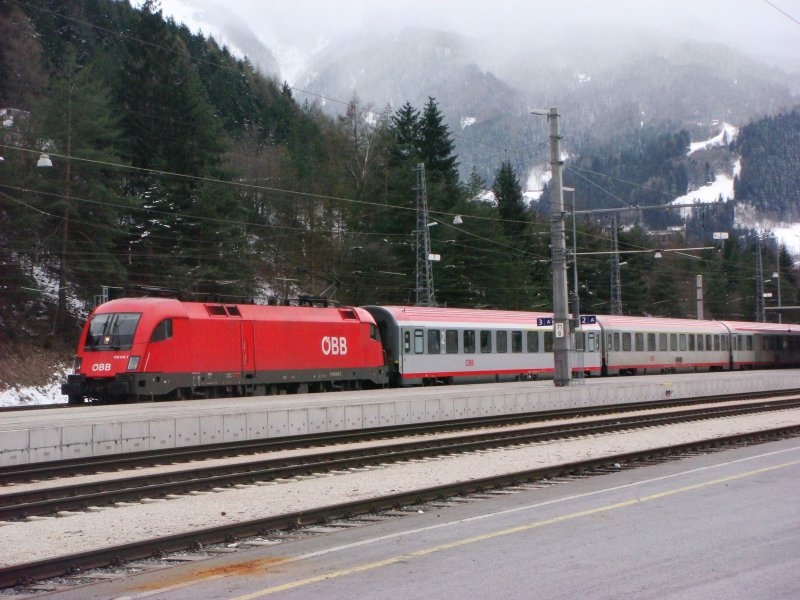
x=101 y=367
x=334 y=346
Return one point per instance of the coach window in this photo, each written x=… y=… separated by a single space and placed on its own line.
x=673 y=342
x=700 y=343
x=651 y=342
x=434 y=341
x=501 y=338
x=740 y=342
x=682 y=341
x=451 y=341
x=716 y=342
x=407 y=342
x=749 y=339
x=691 y=342
x=163 y=331
x=533 y=341
x=516 y=341
x=709 y=342
x=662 y=342
x=639 y=340
x=592 y=346
x=469 y=342
x=616 y=341
x=548 y=341
x=419 y=341
x=486 y=341
x=609 y=341
x=626 y=341
x=725 y=342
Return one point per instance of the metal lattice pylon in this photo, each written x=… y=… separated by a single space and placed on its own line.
x=425 y=295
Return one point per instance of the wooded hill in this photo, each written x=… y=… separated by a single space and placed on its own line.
x=176 y=165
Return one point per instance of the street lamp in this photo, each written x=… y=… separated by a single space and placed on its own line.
x=561 y=334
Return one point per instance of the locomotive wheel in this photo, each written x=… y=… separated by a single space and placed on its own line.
x=74 y=399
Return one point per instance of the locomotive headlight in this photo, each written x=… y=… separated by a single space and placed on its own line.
x=133 y=363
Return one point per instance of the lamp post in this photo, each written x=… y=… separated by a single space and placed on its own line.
x=561 y=339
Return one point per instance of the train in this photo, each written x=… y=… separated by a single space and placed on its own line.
x=146 y=349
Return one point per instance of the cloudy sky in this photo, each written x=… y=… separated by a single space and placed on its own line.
x=294 y=28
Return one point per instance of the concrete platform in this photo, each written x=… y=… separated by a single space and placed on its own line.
x=48 y=435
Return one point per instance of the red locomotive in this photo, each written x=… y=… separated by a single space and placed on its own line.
x=157 y=348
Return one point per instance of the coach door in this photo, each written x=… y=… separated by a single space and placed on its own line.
x=248 y=349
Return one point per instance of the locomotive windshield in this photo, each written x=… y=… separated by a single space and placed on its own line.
x=112 y=331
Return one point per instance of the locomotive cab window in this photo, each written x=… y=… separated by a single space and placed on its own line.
x=111 y=331
x=163 y=331
x=373 y=332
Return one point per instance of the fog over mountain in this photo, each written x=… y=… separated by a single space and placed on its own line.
x=605 y=64
x=611 y=68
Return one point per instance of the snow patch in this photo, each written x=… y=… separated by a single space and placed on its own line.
x=467 y=121
x=49 y=393
x=726 y=135
x=537 y=178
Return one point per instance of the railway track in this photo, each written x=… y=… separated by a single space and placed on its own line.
x=77 y=563
x=72 y=497
x=96 y=464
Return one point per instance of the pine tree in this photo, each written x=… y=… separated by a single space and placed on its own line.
x=75 y=118
x=508 y=193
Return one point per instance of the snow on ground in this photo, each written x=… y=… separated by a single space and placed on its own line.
x=538 y=177
x=726 y=135
x=49 y=393
x=722 y=186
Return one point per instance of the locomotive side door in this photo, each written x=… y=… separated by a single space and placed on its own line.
x=248 y=349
